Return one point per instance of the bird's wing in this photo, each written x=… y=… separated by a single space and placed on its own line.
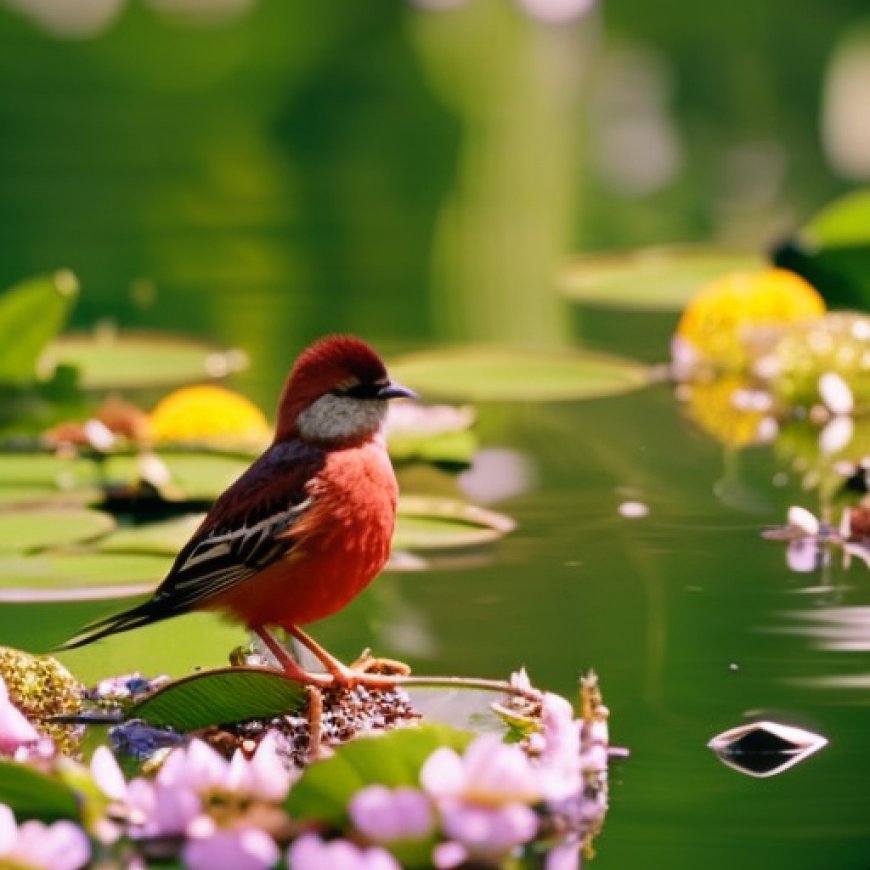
x=250 y=526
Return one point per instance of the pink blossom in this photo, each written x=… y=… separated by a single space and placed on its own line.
x=559 y=762
x=385 y=814
x=61 y=846
x=484 y=796
x=15 y=730
x=309 y=852
x=243 y=849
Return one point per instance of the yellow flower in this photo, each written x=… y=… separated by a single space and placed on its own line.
x=208 y=413
x=726 y=320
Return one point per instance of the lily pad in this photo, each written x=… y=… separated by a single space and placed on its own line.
x=393 y=759
x=192 y=476
x=31 y=794
x=31 y=314
x=651 y=279
x=221 y=697
x=113 y=361
x=504 y=375
x=164 y=538
x=38 y=528
x=78 y=576
x=843 y=223
x=428 y=523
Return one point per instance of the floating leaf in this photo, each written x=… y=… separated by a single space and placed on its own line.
x=78 y=576
x=843 y=223
x=220 y=697
x=37 y=528
x=39 y=477
x=393 y=759
x=463 y=708
x=765 y=748
x=501 y=374
x=31 y=314
x=164 y=538
x=31 y=794
x=658 y=279
x=195 y=476
x=111 y=361
x=428 y=523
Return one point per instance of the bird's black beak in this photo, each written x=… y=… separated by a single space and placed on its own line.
x=396 y=391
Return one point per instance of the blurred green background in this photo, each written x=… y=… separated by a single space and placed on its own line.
x=260 y=172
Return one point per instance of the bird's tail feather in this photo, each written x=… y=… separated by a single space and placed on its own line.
x=133 y=618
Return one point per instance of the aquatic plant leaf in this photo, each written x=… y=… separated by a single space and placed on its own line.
x=31 y=314
x=650 y=279
x=429 y=523
x=29 y=478
x=25 y=530
x=461 y=707
x=192 y=476
x=164 y=538
x=393 y=759
x=31 y=794
x=78 y=576
x=220 y=697
x=140 y=360
x=500 y=374
x=763 y=749
x=845 y=222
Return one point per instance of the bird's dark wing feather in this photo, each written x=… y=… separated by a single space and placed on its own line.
x=248 y=527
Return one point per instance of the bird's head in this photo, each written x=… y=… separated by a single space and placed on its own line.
x=336 y=393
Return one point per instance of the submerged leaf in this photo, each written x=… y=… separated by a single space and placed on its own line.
x=31 y=314
x=220 y=697
x=501 y=374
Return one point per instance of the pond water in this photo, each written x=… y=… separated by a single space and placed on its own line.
x=244 y=189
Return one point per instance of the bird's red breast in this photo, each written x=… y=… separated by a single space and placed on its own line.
x=339 y=545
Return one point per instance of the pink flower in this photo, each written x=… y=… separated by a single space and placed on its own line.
x=559 y=762
x=309 y=852
x=385 y=814
x=61 y=846
x=15 y=730
x=242 y=849
x=484 y=796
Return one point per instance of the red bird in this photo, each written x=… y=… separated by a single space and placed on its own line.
x=307 y=527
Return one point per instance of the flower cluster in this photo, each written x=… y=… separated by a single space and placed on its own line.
x=480 y=806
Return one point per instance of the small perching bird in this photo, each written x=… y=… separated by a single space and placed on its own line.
x=307 y=527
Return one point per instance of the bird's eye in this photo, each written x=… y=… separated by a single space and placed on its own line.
x=359 y=391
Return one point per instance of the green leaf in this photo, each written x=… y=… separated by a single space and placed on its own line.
x=164 y=538
x=31 y=794
x=29 y=478
x=222 y=696
x=429 y=523
x=197 y=476
x=23 y=530
x=500 y=374
x=114 y=361
x=31 y=314
x=393 y=759
x=843 y=223
x=444 y=448
x=658 y=279
x=78 y=576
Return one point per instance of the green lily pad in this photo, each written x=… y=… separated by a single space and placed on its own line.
x=24 y=530
x=136 y=360
x=657 y=279
x=393 y=759
x=78 y=576
x=31 y=314
x=427 y=523
x=164 y=538
x=220 y=697
x=500 y=374
x=193 y=476
x=31 y=794
x=843 y=223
